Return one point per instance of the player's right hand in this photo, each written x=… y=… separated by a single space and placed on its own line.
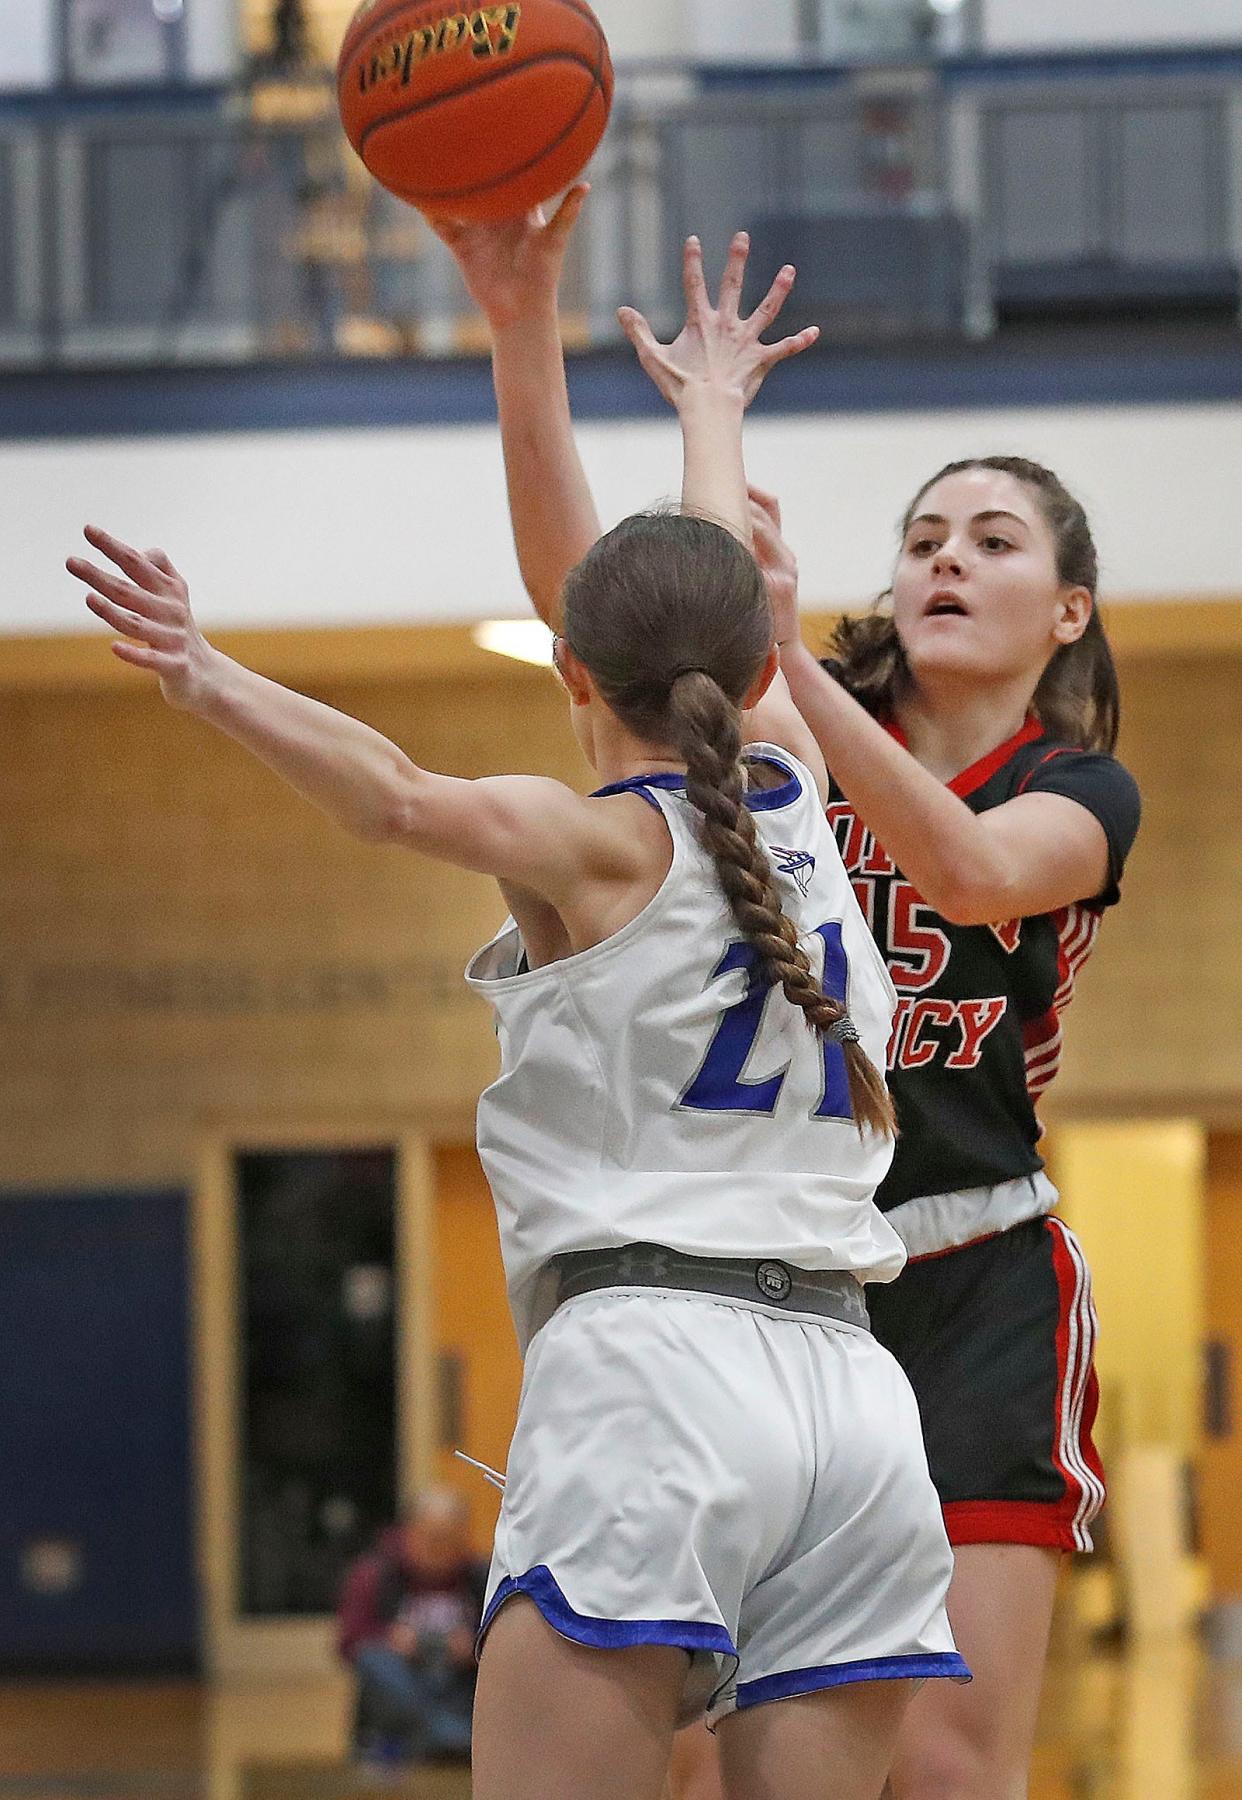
x=149 y=603
x=717 y=347
x=512 y=268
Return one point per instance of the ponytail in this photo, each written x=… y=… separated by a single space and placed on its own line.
x=705 y=726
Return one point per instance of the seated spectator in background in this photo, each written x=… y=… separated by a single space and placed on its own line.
x=407 y=1619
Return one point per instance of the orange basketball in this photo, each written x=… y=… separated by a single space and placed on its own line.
x=479 y=113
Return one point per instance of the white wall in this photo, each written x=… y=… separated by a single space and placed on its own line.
x=27 y=43
x=1042 y=24
x=213 y=39
x=741 y=31
x=367 y=527
x=641 y=28
x=705 y=30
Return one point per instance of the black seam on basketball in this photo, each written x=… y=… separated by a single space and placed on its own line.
x=422 y=196
x=484 y=81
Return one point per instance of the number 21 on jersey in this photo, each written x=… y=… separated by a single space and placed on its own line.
x=720 y=1085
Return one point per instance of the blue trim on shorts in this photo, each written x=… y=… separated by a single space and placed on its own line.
x=539 y=1584
x=876 y=1668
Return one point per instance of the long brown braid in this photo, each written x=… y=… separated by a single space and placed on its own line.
x=706 y=727
x=670 y=615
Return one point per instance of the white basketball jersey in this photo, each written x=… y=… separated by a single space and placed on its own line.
x=656 y=1089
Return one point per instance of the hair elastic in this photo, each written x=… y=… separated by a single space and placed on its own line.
x=844 y=1031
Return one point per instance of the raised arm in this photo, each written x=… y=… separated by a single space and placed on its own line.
x=512 y=271
x=523 y=829
x=1029 y=855
x=710 y=374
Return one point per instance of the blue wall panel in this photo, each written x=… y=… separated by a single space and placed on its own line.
x=96 y=1540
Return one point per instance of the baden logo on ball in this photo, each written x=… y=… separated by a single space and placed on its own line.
x=491 y=31
x=478 y=113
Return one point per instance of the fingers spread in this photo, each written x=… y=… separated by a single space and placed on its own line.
x=124 y=556
x=141 y=656
x=697 y=303
x=126 y=593
x=792 y=346
x=132 y=624
x=636 y=328
x=734 y=275
x=772 y=302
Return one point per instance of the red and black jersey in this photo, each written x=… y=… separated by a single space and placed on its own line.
x=977 y=1036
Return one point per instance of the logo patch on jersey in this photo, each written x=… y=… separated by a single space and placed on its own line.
x=799 y=864
x=1008 y=934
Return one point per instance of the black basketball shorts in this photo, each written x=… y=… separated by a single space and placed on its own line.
x=997 y=1338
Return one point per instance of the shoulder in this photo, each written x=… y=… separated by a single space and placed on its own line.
x=1092 y=777
x=1093 y=780
x=778 y=779
x=584 y=836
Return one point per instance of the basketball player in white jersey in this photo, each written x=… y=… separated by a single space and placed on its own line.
x=717 y=1498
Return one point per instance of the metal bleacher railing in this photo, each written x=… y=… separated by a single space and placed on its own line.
x=184 y=225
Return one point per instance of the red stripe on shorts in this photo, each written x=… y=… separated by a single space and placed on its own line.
x=1062 y=1524
x=1078 y=1395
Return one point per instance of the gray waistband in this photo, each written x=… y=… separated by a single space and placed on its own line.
x=827 y=1293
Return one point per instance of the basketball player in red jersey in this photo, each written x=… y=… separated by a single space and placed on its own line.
x=968 y=732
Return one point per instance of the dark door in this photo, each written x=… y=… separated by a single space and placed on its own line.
x=96 y=1539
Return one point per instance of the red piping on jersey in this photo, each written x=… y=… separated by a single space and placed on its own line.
x=1034 y=770
x=1077 y=928
x=973 y=778
x=1046 y=1526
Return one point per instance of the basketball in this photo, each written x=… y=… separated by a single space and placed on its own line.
x=480 y=113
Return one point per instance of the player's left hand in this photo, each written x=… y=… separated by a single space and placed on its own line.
x=717 y=347
x=148 y=602
x=777 y=562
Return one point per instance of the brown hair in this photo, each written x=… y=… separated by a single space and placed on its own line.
x=670 y=615
x=1077 y=698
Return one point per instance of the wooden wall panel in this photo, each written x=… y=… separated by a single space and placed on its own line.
x=181 y=936
x=472 y=1323
x=1155 y=1025
x=1220 y=1469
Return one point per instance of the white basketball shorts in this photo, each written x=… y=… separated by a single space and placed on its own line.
x=746 y=1484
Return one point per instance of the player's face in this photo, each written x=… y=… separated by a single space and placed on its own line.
x=976 y=595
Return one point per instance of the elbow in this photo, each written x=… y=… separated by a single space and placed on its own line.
x=394 y=819
x=972 y=898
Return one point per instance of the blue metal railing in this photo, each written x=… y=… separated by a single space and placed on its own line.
x=159 y=225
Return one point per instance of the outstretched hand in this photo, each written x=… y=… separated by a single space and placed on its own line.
x=149 y=603
x=513 y=267
x=777 y=562
x=716 y=346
